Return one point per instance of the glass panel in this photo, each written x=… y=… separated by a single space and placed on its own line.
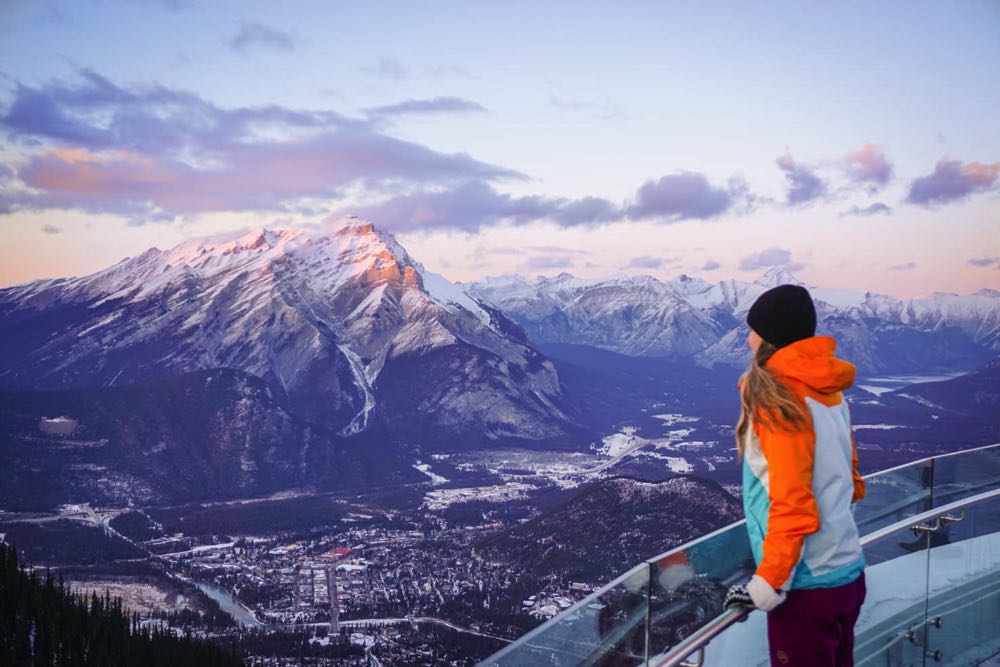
x=964 y=586
x=890 y=631
x=958 y=476
x=894 y=495
x=606 y=628
x=688 y=587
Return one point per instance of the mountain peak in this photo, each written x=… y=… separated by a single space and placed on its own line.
x=778 y=275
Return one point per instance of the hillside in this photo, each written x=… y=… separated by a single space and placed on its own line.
x=206 y=435
x=43 y=623
x=611 y=526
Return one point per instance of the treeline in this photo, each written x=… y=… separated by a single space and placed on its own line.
x=43 y=623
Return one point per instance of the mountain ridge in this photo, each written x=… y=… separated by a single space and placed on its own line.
x=693 y=318
x=317 y=314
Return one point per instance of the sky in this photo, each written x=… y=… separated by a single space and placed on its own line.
x=855 y=144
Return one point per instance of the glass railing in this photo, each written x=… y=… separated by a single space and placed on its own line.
x=663 y=611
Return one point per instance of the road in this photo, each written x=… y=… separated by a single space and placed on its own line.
x=360 y=622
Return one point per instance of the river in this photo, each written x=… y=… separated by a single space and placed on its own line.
x=228 y=603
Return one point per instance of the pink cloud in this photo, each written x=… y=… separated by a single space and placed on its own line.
x=869 y=165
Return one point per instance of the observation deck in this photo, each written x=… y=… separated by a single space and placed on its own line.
x=930 y=531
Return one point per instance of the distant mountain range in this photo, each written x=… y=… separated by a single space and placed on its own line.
x=237 y=366
x=690 y=318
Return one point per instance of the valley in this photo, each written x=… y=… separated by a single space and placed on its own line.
x=306 y=441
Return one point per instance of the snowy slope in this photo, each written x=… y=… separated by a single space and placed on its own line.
x=688 y=317
x=317 y=314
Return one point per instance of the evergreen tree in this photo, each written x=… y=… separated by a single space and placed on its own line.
x=43 y=623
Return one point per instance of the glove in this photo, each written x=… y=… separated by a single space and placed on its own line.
x=756 y=593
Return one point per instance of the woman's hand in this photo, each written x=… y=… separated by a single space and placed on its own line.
x=756 y=593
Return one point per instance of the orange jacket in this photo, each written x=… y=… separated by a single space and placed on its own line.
x=798 y=485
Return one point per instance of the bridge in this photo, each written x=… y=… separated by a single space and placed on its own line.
x=930 y=531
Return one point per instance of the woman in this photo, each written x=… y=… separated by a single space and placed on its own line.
x=800 y=478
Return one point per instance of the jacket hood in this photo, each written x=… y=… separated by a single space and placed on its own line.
x=811 y=362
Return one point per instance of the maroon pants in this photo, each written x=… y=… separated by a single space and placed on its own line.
x=815 y=627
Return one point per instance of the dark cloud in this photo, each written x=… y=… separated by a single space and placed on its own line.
x=868 y=166
x=952 y=181
x=97 y=114
x=469 y=206
x=543 y=262
x=985 y=261
x=684 y=195
x=476 y=204
x=104 y=148
x=437 y=105
x=51 y=229
x=259 y=36
x=390 y=69
x=586 y=210
x=769 y=257
x=877 y=208
x=803 y=183
x=908 y=266
x=710 y=265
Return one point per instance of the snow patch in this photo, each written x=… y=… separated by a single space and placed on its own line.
x=426 y=469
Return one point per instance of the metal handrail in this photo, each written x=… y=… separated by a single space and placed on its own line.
x=675 y=656
x=936 y=513
x=700 y=638
x=871 y=475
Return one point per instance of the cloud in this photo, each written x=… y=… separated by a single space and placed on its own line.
x=100 y=147
x=389 y=69
x=985 y=261
x=648 y=262
x=868 y=166
x=903 y=267
x=803 y=184
x=685 y=195
x=769 y=257
x=553 y=249
x=543 y=262
x=952 y=181
x=437 y=105
x=259 y=36
x=450 y=70
x=877 y=208
x=605 y=110
x=51 y=229
x=475 y=204
x=710 y=265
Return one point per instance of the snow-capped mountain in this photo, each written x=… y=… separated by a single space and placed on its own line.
x=343 y=326
x=688 y=317
x=633 y=315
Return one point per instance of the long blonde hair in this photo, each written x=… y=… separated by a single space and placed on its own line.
x=765 y=398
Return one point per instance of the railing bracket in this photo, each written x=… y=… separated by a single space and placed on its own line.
x=919 y=528
x=949 y=518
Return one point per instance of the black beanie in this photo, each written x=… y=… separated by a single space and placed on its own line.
x=783 y=315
